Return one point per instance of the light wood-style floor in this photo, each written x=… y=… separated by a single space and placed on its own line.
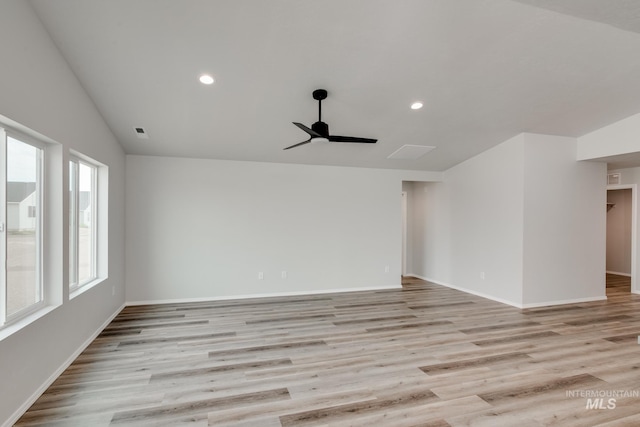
x=425 y=355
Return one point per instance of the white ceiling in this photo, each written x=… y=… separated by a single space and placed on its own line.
x=486 y=70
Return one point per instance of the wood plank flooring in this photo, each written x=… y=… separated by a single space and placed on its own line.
x=424 y=355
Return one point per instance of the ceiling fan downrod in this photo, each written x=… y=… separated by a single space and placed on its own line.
x=319 y=95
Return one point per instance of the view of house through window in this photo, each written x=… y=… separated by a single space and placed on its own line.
x=29 y=204
x=24 y=230
x=82 y=224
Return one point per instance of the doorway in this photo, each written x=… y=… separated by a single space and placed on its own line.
x=621 y=242
x=404 y=233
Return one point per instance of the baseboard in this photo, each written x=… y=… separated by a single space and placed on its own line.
x=266 y=295
x=617 y=273
x=563 y=302
x=31 y=400
x=468 y=291
x=511 y=303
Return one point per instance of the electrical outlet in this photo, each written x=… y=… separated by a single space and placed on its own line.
x=284 y=274
x=386 y=268
x=260 y=275
x=482 y=275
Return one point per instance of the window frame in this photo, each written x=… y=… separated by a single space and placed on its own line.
x=41 y=232
x=74 y=282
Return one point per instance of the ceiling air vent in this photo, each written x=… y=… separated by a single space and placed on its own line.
x=613 y=179
x=140 y=132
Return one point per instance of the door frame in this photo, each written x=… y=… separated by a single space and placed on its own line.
x=634 y=231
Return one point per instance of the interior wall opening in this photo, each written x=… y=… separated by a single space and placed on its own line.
x=413 y=236
x=620 y=257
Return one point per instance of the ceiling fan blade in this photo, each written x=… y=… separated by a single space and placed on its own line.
x=298 y=144
x=337 y=138
x=311 y=132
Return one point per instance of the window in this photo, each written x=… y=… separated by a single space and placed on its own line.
x=82 y=222
x=22 y=240
x=33 y=239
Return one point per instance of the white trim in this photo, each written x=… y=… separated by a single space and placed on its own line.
x=31 y=400
x=79 y=162
x=78 y=290
x=617 y=273
x=563 y=302
x=270 y=295
x=40 y=230
x=26 y=138
x=405 y=235
x=5 y=226
x=511 y=303
x=468 y=291
x=16 y=127
x=73 y=224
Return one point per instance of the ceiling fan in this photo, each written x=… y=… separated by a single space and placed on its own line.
x=319 y=131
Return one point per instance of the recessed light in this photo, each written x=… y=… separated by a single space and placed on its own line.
x=206 y=79
x=416 y=105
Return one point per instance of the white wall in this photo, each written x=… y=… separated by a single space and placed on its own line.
x=485 y=206
x=619 y=232
x=204 y=229
x=13 y=216
x=621 y=137
x=564 y=223
x=38 y=90
x=472 y=222
x=25 y=222
x=525 y=214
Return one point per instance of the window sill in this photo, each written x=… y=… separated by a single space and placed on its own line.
x=13 y=327
x=84 y=288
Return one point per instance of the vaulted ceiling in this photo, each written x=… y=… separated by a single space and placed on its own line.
x=485 y=70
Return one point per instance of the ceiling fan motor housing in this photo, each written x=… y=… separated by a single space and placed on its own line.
x=321 y=127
